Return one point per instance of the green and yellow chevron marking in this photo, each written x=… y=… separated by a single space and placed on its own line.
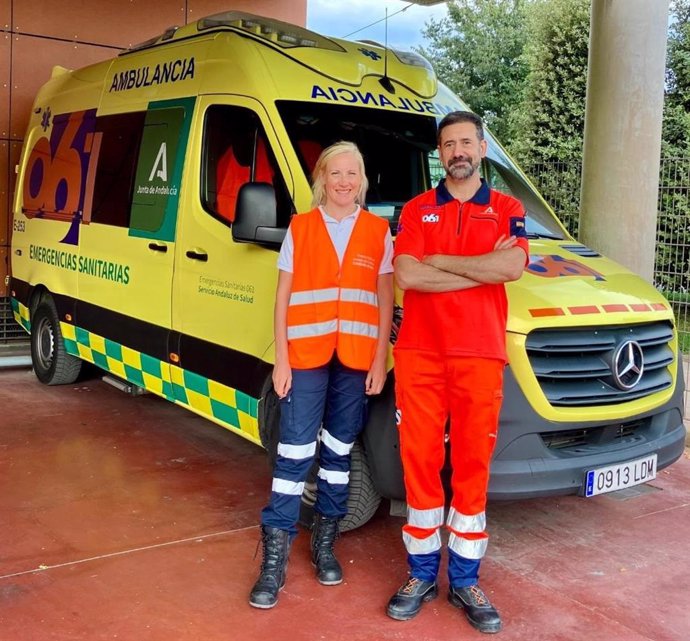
x=224 y=405
x=21 y=314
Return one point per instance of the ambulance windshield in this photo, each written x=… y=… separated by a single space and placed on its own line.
x=400 y=155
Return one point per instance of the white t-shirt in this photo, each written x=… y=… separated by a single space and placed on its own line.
x=339 y=232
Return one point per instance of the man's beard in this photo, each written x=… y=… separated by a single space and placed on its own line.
x=461 y=168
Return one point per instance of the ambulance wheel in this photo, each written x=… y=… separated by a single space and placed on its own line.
x=52 y=364
x=362 y=502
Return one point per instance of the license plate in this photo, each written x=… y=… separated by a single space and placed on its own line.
x=618 y=477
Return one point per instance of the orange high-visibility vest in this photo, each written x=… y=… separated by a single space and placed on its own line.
x=334 y=307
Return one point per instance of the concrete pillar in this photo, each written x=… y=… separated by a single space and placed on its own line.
x=622 y=138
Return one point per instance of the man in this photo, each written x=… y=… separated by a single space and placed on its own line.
x=457 y=245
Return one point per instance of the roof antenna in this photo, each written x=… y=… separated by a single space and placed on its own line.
x=386 y=81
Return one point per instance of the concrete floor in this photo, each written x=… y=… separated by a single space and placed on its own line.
x=129 y=518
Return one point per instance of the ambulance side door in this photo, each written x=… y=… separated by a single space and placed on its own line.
x=223 y=291
x=127 y=242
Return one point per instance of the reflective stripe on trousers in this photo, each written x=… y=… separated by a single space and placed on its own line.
x=466 y=523
x=426 y=545
x=468 y=548
x=421 y=534
x=427 y=519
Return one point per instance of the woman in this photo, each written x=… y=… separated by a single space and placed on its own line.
x=333 y=310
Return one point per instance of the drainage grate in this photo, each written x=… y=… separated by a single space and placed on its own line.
x=10 y=331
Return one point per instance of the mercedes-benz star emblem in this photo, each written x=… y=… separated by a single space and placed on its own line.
x=628 y=365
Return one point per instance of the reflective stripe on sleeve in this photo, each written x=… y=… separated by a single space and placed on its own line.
x=281 y=486
x=464 y=523
x=312 y=329
x=334 y=477
x=422 y=546
x=352 y=295
x=426 y=519
x=359 y=329
x=468 y=548
x=297 y=452
x=310 y=296
x=335 y=445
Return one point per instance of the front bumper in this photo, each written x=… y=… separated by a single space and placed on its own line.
x=535 y=457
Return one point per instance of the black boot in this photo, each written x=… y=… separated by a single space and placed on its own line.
x=409 y=599
x=323 y=536
x=478 y=609
x=276 y=544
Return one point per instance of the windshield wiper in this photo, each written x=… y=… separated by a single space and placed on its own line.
x=539 y=234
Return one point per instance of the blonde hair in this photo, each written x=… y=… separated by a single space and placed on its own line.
x=319 y=173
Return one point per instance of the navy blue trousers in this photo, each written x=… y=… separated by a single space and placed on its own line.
x=332 y=395
x=462 y=572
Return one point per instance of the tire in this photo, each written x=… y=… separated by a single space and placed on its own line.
x=382 y=444
x=363 y=500
x=52 y=364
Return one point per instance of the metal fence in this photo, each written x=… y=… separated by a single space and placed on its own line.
x=559 y=183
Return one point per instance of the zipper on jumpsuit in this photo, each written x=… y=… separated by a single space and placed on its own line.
x=460 y=217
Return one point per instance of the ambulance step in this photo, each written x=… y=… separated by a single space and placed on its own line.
x=124 y=386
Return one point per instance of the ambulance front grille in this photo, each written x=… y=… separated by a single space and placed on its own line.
x=580 y=441
x=575 y=368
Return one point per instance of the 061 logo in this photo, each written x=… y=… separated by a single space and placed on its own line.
x=59 y=169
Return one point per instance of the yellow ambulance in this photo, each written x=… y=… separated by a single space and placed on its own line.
x=154 y=190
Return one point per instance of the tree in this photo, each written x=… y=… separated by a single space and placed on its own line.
x=522 y=65
x=553 y=110
x=549 y=124
x=676 y=134
x=672 y=265
x=477 y=52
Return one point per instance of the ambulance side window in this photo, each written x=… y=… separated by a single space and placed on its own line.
x=119 y=138
x=236 y=151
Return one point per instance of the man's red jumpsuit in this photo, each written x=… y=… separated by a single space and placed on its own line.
x=449 y=361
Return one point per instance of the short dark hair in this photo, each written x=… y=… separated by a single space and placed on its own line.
x=454 y=117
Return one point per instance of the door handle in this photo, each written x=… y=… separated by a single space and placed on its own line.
x=158 y=247
x=197 y=255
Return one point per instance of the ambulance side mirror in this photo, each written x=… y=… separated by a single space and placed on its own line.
x=256 y=215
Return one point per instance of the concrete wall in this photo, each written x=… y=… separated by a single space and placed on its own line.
x=38 y=34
